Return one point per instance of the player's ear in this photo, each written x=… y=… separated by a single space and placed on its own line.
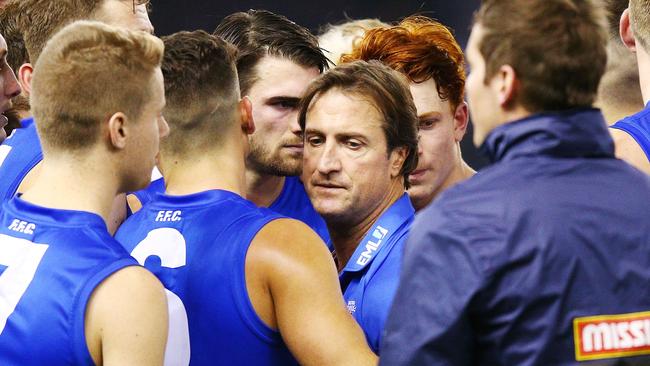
x=461 y=119
x=25 y=78
x=246 y=113
x=117 y=130
x=625 y=31
x=505 y=84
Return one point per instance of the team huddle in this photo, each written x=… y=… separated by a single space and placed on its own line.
x=259 y=195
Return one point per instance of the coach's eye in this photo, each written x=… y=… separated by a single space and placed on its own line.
x=353 y=144
x=315 y=140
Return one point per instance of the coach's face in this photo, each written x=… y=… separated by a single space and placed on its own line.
x=348 y=172
x=130 y=14
x=276 y=146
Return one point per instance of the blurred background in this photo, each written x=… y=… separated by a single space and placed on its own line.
x=170 y=16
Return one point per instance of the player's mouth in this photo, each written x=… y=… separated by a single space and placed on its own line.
x=417 y=175
x=294 y=147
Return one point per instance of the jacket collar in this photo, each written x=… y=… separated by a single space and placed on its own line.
x=574 y=133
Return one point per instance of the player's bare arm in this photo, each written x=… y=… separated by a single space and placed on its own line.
x=126 y=320
x=292 y=283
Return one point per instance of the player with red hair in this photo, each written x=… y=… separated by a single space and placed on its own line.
x=426 y=52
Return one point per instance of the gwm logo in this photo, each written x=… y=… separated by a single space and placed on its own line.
x=612 y=336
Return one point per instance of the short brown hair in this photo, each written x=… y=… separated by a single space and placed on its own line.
x=41 y=19
x=201 y=88
x=640 y=19
x=88 y=72
x=556 y=47
x=421 y=49
x=387 y=90
x=9 y=29
x=259 y=33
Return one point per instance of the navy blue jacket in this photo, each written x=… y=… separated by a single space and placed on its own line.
x=542 y=258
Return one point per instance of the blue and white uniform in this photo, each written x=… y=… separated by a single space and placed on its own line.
x=637 y=126
x=19 y=154
x=50 y=263
x=196 y=245
x=369 y=280
x=292 y=202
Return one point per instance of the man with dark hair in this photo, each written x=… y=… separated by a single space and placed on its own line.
x=248 y=286
x=426 y=52
x=71 y=295
x=360 y=128
x=632 y=134
x=38 y=21
x=277 y=60
x=529 y=262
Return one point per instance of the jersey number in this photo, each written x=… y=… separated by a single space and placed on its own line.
x=21 y=257
x=169 y=245
x=4 y=152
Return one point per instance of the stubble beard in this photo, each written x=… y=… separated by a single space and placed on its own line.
x=263 y=161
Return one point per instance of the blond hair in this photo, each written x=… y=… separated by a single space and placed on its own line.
x=86 y=73
x=340 y=39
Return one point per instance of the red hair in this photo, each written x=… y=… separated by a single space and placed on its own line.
x=420 y=48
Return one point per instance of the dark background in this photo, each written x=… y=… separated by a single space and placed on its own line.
x=169 y=16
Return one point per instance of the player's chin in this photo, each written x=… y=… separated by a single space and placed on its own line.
x=291 y=167
x=3 y=134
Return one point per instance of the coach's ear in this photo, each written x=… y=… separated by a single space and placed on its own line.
x=625 y=31
x=117 y=130
x=397 y=158
x=25 y=78
x=246 y=113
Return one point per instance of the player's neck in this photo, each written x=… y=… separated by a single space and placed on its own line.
x=263 y=189
x=206 y=171
x=643 y=59
x=346 y=237
x=67 y=183
x=461 y=172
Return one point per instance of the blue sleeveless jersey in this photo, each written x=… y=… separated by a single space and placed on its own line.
x=50 y=262
x=147 y=195
x=196 y=245
x=370 y=278
x=637 y=126
x=19 y=154
x=292 y=202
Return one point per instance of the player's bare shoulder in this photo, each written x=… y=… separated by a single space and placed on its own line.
x=628 y=149
x=286 y=242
